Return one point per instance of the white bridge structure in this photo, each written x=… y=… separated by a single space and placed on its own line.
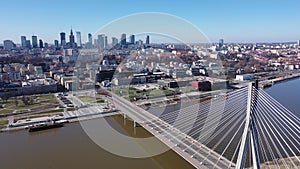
x=245 y=128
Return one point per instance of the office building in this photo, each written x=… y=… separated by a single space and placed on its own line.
x=23 y=41
x=56 y=43
x=78 y=39
x=41 y=43
x=298 y=42
x=90 y=39
x=114 y=41
x=28 y=44
x=72 y=39
x=147 y=40
x=100 y=41
x=8 y=44
x=221 y=43
x=123 y=39
x=63 y=39
x=132 y=39
x=34 y=41
x=105 y=42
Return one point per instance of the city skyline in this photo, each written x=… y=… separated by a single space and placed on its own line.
x=232 y=20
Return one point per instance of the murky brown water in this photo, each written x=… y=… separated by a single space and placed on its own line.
x=70 y=147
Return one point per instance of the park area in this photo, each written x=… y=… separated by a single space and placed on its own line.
x=28 y=104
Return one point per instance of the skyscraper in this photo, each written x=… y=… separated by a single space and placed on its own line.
x=148 y=40
x=221 y=43
x=114 y=41
x=56 y=43
x=72 y=39
x=132 y=39
x=90 y=39
x=123 y=39
x=23 y=41
x=298 y=42
x=34 y=41
x=28 y=44
x=100 y=41
x=63 y=39
x=105 y=42
x=41 y=43
x=78 y=39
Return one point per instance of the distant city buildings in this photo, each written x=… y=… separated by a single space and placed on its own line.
x=56 y=43
x=72 y=39
x=132 y=39
x=123 y=39
x=90 y=41
x=114 y=41
x=41 y=43
x=8 y=44
x=298 y=42
x=78 y=39
x=147 y=40
x=34 y=41
x=63 y=39
x=23 y=41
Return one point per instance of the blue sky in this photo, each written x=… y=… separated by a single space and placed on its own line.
x=232 y=20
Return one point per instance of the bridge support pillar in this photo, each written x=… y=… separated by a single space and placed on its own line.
x=250 y=133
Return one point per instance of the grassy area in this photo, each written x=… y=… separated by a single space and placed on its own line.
x=5 y=111
x=3 y=122
x=71 y=109
x=100 y=101
x=86 y=98
x=17 y=103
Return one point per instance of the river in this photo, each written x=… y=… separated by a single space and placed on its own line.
x=70 y=147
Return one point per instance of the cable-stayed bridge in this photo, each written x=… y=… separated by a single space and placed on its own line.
x=245 y=128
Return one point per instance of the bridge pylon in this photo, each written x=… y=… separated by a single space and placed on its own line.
x=250 y=135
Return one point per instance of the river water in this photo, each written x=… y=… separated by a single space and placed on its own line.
x=70 y=147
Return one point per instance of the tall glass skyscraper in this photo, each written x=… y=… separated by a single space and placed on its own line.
x=123 y=39
x=23 y=41
x=63 y=39
x=34 y=41
x=132 y=39
x=78 y=39
x=148 y=40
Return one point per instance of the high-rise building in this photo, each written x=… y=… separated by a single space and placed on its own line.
x=34 y=41
x=132 y=39
x=90 y=39
x=78 y=39
x=123 y=39
x=140 y=42
x=56 y=43
x=28 y=44
x=41 y=43
x=298 y=42
x=114 y=41
x=72 y=39
x=8 y=44
x=148 y=40
x=63 y=39
x=105 y=42
x=46 y=45
x=23 y=41
x=221 y=43
x=100 y=42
